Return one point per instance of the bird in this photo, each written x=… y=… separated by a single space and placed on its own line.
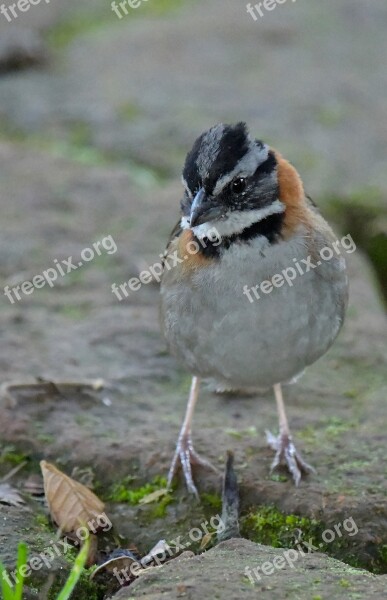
x=247 y=302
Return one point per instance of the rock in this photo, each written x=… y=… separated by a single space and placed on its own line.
x=48 y=556
x=235 y=569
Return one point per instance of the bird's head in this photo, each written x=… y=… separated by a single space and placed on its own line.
x=230 y=182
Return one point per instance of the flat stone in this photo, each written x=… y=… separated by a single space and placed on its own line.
x=222 y=573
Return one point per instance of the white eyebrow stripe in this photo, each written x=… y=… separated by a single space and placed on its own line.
x=246 y=166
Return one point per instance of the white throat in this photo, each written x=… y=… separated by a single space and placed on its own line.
x=234 y=222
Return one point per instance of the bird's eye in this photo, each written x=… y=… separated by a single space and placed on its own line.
x=238 y=185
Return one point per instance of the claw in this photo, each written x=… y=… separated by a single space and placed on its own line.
x=186 y=456
x=287 y=454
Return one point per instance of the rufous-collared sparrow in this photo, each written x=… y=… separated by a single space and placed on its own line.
x=245 y=220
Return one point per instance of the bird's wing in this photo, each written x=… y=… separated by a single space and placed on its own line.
x=311 y=203
x=176 y=231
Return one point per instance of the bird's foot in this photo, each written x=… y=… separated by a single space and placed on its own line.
x=186 y=456
x=287 y=454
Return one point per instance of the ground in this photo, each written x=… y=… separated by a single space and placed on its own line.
x=93 y=136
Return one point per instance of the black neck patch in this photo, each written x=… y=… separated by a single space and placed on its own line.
x=270 y=228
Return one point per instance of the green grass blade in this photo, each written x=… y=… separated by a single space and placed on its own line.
x=5 y=586
x=76 y=572
x=22 y=553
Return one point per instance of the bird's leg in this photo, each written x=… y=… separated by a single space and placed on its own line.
x=285 y=451
x=185 y=453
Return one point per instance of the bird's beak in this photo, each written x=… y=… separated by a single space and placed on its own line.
x=204 y=210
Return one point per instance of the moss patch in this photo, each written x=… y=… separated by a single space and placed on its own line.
x=11 y=457
x=212 y=501
x=159 y=509
x=43 y=522
x=125 y=492
x=271 y=527
x=84 y=590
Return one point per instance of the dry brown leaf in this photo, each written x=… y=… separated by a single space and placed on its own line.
x=71 y=504
x=8 y=495
x=206 y=540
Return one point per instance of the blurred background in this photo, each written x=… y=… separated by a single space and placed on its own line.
x=308 y=77
x=96 y=116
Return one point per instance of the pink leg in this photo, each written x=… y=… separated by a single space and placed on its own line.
x=286 y=452
x=185 y=454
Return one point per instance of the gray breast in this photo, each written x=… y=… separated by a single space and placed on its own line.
x=214 y=329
